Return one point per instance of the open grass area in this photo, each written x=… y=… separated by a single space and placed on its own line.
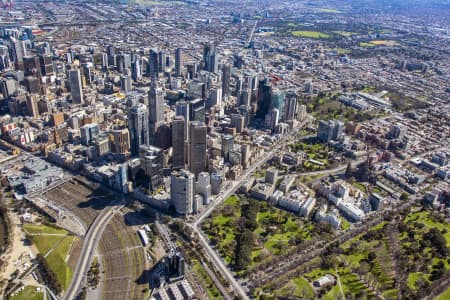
x=56 y=243
x=57 y=261
x=310 y=34
x=298 y=287
x=444 y=296
x=366 y=45
x=28 y=293
x=44 y=229
x=375 y=43
x=425 y=218
x=345 y=33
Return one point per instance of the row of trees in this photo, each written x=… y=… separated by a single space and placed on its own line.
x=48 y=275
x=245 y=238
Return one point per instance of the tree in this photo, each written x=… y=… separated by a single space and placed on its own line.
x=404 y=196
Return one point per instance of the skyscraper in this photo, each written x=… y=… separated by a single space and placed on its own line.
x=182 y=109
x=76 y=91
x=227 y=145
x=178 y=61
x=330 y=130
x=290 y=107
x=226 y=77
x=197 y=147
x=182 y=191
x=120 y=141
x=153 y=64
x=178 y=143
x=210 y=58
x=32 y=106
x=277 y=101
x=138 y=128
x=152 y=163
x=155 y=111
x=161 y=61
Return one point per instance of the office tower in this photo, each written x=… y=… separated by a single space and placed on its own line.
x=216 y=183
x=227 y=145
x=137 y=69
x=203 y=187
x=277 y=101
x=76 y=91
x=245 y=97
x=271 y=176
x=215 y=97
x=290 y=107
x=178 y=61
x=264 y=97
x=226 y=78
x=89 y=132
x=182 y=191
x=210 y=58
x=46 y=63
x=31 y=66
x=120 y=141
x=238 y=122
x=151 y=159
x=197 y=147
x=271 y=119
x=125 y=83
x=301 y=114
x=33 y=85
x=197 y=110
x=18 y=52
x=105 y=63
x=8 y=87
x=182 y=109
x=246 y=152
x=178 y=142
x=192 y=70
x=32 y=106
x=153 y=64
x=155 y=111
x=162 y=61
x=330 y=130
x=138 y=128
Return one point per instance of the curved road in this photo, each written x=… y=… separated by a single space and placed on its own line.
x=91 y=241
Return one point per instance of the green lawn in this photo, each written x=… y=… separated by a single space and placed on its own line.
x=36 y=229
x=57 y=261
x=310 y=34
x=329 y=10
x=44 y=240
x=299 y=288
x=345 y=33
x=364 y=44
x=424 y=218
x=444 y=296
x=28 y=293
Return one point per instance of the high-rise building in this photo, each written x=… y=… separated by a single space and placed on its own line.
x=153 y=64
x=277 y=101
x=290 y=107
x=32 y=106
x=210 y=58
x=203 y=187
x=31 y=66
x=271 y=119
x=197 y=147
x=178 y=143
x=125 y=83
x=197 y=110
x=89 y=132
x=238 y=122
x=137 y=69
x=264 y=97
x=46 y=63
x=226 y=78
x=161 y=61
x=178 y=61
x=227 y=145
x=152 y=163
x=76 y=90
x=120 y=141
x=301 y=115
x=182 y=191
x=138 y=128
x=182 y=109
x=155 y=111
x=330 y=130
x=215 y=97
